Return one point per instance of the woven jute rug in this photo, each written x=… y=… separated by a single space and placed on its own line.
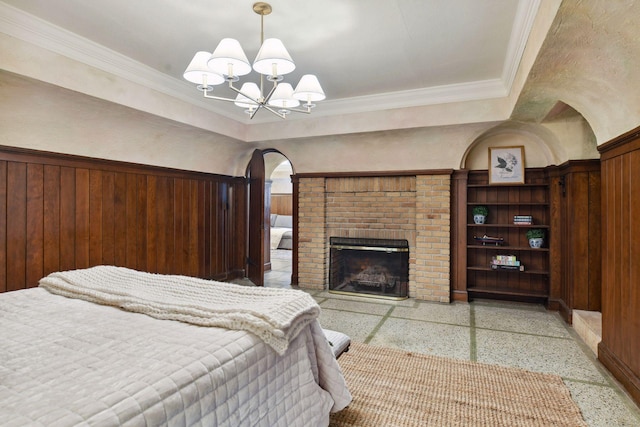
x=402 y=389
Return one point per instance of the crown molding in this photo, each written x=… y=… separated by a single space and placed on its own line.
x=522 y=25
x=36 y=31
x=31 y=29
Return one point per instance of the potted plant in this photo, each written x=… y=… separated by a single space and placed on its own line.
x=480 y=214
x=536 y=237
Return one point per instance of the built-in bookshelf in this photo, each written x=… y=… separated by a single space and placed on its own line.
x=499 y=260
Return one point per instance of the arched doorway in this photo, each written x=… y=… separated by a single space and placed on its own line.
x=279 y=246
x=270 y=251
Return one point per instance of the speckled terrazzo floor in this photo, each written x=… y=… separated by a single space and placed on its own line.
x=509 y=334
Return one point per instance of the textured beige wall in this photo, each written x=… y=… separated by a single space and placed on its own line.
x=590 y=61
x=40 y=116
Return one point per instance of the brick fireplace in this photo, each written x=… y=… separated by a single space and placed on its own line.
x=415 y=208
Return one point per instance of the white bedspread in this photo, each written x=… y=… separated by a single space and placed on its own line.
x=274 y=315
x=276 y=236
x=70 y=362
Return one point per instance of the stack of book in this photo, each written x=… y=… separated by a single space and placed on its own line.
x=506 y=262
x=523 y=219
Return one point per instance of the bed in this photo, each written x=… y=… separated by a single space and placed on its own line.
x=281 y=231
x=141 y=354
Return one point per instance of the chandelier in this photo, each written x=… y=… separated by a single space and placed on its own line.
x=228 y=62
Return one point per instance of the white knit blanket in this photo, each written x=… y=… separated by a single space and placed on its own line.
x=274 y=315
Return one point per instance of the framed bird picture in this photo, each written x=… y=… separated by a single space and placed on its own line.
x=506 y=165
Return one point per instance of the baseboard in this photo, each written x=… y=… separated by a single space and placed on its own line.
x=561 y=307
x=459 y=296
x=620 y=370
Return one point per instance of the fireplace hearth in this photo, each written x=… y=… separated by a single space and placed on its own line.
x=369 y=267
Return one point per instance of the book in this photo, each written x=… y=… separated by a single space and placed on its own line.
x=523 y=219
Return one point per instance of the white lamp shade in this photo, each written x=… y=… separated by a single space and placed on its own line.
x=229 y=59
x=309 y=89
x=251 y=90
x=283 y=97
x=273 y=53
x=198 y=70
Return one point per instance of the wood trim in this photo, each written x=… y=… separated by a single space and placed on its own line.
x=25 y=155
x=372 y=174
x=619 y=369
x=459 y=236
x=625 y=143
x=61 y=212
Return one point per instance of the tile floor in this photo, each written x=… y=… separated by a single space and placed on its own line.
x=509 y=334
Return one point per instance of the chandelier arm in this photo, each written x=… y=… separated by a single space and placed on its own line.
x=219 y=98
x=297 y=110
x=266 y=107
x=232 y=87
x=253 y=113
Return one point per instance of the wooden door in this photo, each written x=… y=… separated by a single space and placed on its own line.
x=255 y=259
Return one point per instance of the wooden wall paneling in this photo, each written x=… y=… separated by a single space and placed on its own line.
x=281 y=203
x=620 y=186
x=162 y=220
x=237 y=237
x=459 y=236
x=202 y=229
x=67 y=218
x=120 y=223
x=224 y=225
x=152 y=213
x=594 y=242
x=633 y=268
x=576 y=187
x=16 y=225
x=194 y=230
x=82 y=218
x=576 y=184
x=209 y=233
x=625 y=303
x=51 y=220
x=169 y=226
x=186 y=223
x=95 y=217
x=558 y=293
x=178 y=212
x=35 y=224
x=219 y=223
x=609 y=316
x=131 y=215
x=3 y=226
x=108 y=236
x=60 y=212
x=141 y=223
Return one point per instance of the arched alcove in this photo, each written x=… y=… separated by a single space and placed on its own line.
x=541 y=146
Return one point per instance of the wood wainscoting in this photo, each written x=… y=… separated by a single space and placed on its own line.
x=281 y=203
x=62 y=212
x=620 y=181
x=576 y=196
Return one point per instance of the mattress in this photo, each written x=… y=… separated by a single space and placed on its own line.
x=69 y=362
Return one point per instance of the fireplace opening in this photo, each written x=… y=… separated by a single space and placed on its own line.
x=373 y=267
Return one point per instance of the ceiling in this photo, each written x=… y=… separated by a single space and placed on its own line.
x=368 y=55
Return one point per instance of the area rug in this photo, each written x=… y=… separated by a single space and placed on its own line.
x=403 y=389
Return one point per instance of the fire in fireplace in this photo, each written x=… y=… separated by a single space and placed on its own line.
x=375 y=267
